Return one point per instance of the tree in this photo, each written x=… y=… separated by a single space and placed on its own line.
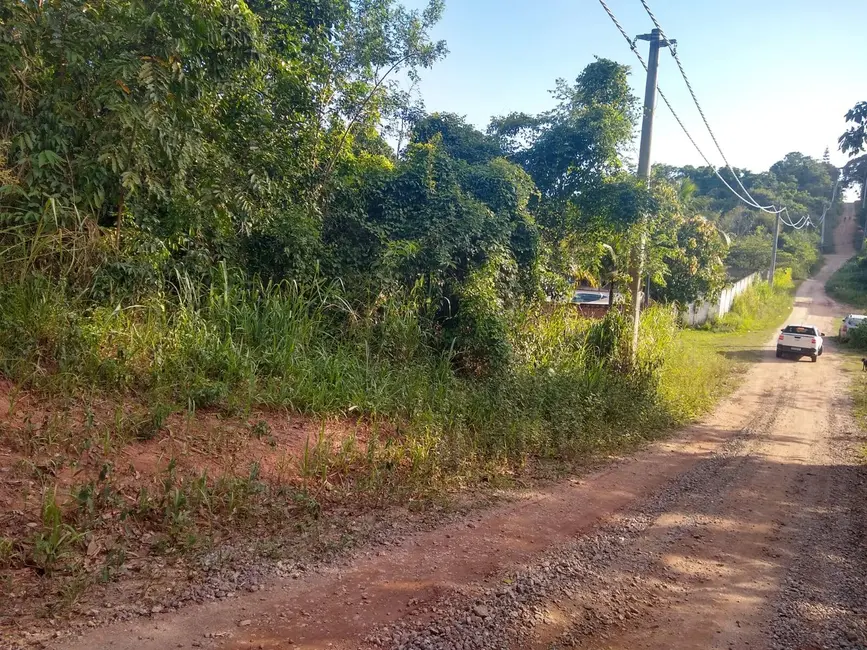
x=685 y=250
x=575 y=156
x=374 y=41
x=434 y=217
x=804 y=173
x=750 y=253
x=855 y=171
x=694 y=265
x=583 y=139
x=222 y=124
x=854 y=140
x=459 y=139
x=463 y=230
x=799 y=251
x=104 y=107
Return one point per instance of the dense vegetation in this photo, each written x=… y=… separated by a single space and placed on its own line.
x=802 y=184
x=236 y=204
x=849 y=283
x=238 y=207
x=162 y=153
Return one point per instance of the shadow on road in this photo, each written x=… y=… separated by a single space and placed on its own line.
x=732 y=538
x=758 y=354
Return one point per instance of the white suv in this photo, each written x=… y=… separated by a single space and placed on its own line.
x=851 y=322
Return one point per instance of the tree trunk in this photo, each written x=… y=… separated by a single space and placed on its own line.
x=120 y=209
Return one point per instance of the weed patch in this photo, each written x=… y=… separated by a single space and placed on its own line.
x=849 y=283
x=242 y=413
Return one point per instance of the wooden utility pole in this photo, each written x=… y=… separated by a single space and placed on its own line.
x=864 y=198
x=774 y=254
x=822 y=237
x=637 y=262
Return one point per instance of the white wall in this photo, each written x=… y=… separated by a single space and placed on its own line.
x=701 y=311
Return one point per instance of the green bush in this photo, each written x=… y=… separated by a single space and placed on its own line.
x=849 y=283
x=756 y=307
x=858 y=337
x=476 y=330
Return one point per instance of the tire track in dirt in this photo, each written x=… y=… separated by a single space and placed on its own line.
x=823 y=601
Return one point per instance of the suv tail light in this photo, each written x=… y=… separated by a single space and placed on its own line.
x=813 y=341
x=781 y=338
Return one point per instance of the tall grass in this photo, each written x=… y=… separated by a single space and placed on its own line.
x=569 y=390
x=702 y=364
x=849 y=283
x=237 y=345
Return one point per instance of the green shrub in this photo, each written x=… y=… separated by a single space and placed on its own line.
x=606 y=338
x=858 y=337
x=849 y=283
x=758 y=306
x=478 y=332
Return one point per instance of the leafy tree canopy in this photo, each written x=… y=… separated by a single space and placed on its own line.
x=854 y=140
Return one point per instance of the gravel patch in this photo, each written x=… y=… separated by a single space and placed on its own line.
x=510 y=614
x=823 y=602
x=232 y=569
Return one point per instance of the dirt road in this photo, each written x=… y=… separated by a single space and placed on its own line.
x=746 y=531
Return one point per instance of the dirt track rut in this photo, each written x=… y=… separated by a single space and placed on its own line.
x=745 y=531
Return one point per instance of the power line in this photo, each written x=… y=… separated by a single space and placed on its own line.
x=790 y=221
x=751 y=202
x=797 y=226
x=803 y=223
x=766 y=208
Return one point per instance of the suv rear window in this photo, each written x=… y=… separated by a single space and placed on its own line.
x=795 y=329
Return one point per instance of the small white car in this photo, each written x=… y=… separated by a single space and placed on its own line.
x=801 y=341
x=849 y=323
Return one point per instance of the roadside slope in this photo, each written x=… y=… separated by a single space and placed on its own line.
x=687 y=544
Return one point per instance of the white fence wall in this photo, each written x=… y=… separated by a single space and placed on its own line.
x=701 y=311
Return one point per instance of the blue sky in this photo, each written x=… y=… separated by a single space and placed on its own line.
x=773 y=76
